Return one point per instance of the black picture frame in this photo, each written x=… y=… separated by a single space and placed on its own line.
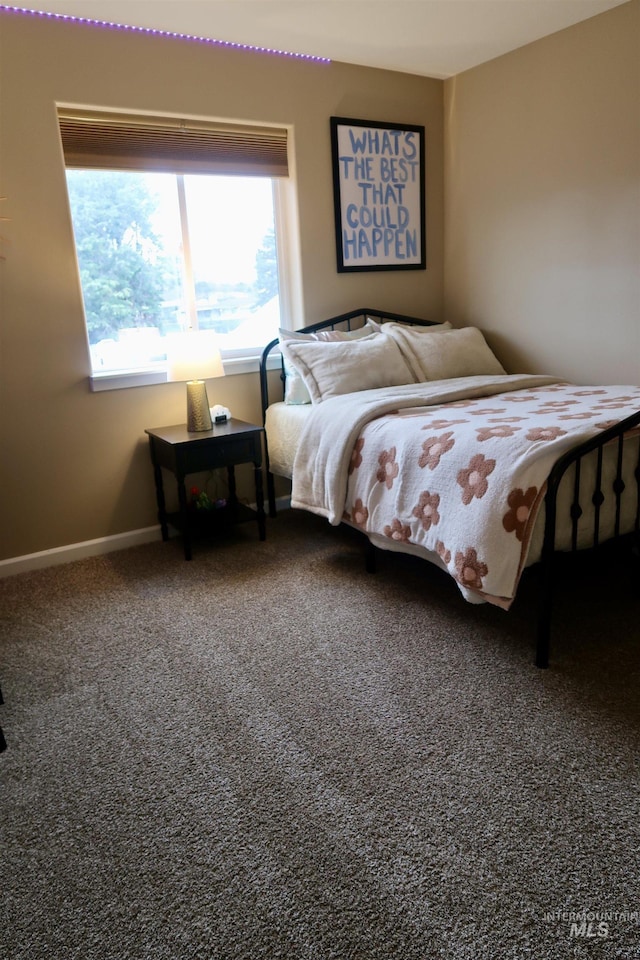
x=379 y=195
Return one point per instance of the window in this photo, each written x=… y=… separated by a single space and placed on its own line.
x=175 y=229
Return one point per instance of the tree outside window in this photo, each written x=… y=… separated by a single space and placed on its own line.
x=159 y=252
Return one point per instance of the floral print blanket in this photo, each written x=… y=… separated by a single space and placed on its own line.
x=456 y=468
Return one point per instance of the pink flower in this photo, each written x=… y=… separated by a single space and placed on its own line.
x=434 y=448
x=470 y=570
x=488 y=433
x=360 y=513
x=473 y=479
x=576 y=416
x=485 y=411
x=427 y=509
x=397 y=531
x=443 y=553
x=545 y=433
x=388 y=467
x=441 y=424
x=517 y=517
x=356 y=455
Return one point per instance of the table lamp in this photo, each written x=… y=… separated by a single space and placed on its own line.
x=194 y=357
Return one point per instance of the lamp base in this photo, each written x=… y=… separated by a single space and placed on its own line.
x=198 y=413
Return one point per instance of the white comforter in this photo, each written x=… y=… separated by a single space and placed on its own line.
x=456 y=468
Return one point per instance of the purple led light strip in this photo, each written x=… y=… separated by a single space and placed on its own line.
x=159 y=33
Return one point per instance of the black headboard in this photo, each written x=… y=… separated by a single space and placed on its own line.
x=344 y=321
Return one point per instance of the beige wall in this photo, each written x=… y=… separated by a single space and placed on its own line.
x=74 y=465
x=542 y=201
x=539 y=176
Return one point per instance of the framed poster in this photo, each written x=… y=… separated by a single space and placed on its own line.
x=379 y=195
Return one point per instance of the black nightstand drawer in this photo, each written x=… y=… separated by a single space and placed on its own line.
x=218 y=453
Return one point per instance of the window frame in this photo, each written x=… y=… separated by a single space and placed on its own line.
x=286 y=223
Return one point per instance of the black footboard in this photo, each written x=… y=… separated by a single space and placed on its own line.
x=599 y=493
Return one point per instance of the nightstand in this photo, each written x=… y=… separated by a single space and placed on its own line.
x=225 y=445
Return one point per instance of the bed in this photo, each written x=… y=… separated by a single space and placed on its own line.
x=413 y=433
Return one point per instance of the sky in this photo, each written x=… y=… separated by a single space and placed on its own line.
x=228 y=219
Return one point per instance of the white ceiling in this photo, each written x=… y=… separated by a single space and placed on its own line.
x=434 y=38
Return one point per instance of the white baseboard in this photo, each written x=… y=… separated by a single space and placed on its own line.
x=91 y=548
x=77 y=551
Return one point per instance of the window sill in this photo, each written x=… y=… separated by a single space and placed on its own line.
x=146 y=378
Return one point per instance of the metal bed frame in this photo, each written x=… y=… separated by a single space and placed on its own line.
x=618 y=434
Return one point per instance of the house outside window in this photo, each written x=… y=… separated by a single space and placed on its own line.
x=181 y=233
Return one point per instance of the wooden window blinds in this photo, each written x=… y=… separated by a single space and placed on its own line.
x=171 y=145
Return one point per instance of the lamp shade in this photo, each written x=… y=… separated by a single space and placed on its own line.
x=194 y=355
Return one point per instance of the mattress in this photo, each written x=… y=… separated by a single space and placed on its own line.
x=284 y=424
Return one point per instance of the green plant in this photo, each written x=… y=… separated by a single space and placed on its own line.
x=200 y=500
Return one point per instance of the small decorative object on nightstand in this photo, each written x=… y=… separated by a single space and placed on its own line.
x=182 y=452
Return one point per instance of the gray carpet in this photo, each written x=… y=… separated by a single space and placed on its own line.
x=268 y=753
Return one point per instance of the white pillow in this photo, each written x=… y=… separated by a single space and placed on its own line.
x=336 y=367
x=356 y=334
x=295 y=390
x=457 y=353
x=417 y=328
x=409 y=337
